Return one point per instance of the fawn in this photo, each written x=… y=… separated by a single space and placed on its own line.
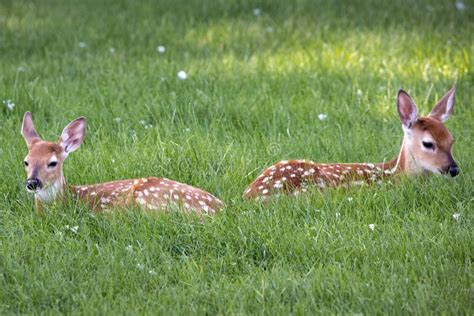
x=426 y=147
x=45 y=178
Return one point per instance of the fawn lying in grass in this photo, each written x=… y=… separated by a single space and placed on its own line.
x=426 y=147
x=45 y=178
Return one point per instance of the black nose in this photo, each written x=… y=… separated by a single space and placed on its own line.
x=453 y=170
x=33 y=184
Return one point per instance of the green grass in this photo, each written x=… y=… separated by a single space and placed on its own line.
x=255 y=88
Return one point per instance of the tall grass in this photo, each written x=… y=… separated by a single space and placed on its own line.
x=256 y=85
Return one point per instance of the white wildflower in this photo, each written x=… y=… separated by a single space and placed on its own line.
x=359 y=93
x=372 y=227
x=140 y=266
x=257 y=12
x=269 y=29
x=112 y=50
x=322 y=117
x=118 y=119
x=182 y=75
x=82 y=45
x=338 y=215
x=9 y=104
x=460 y=6
x=129 y=248
x=160 y=49
x=152 y=272
x=74 y=229
x=456 y=216
x=350 y=199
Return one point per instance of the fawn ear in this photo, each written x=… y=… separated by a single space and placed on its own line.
x=73 y=135
x=406 y=109
x=28 y=129
x=443 y=110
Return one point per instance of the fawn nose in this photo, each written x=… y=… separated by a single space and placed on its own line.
x=453 y=170
x=33 y=184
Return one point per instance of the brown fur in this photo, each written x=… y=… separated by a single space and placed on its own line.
x=297 y=176
x=441 y=159
x=39 y=155
x=437 y=130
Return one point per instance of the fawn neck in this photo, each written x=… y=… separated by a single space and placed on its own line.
x=403 y=163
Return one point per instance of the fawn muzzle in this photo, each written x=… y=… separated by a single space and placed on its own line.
x=33 y=184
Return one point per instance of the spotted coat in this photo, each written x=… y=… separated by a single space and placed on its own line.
x=149 y=193
x=297 y=176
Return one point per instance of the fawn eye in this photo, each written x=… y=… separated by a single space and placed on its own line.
x=25 y=163
x=52 y=164
x=428 y=145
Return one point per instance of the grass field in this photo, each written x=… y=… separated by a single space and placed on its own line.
x=256 y=82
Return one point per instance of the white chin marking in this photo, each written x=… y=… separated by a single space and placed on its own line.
x=49 y=193
x=432 y=170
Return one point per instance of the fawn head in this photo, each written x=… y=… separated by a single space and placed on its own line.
x=44 y=160
x=427 y=142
